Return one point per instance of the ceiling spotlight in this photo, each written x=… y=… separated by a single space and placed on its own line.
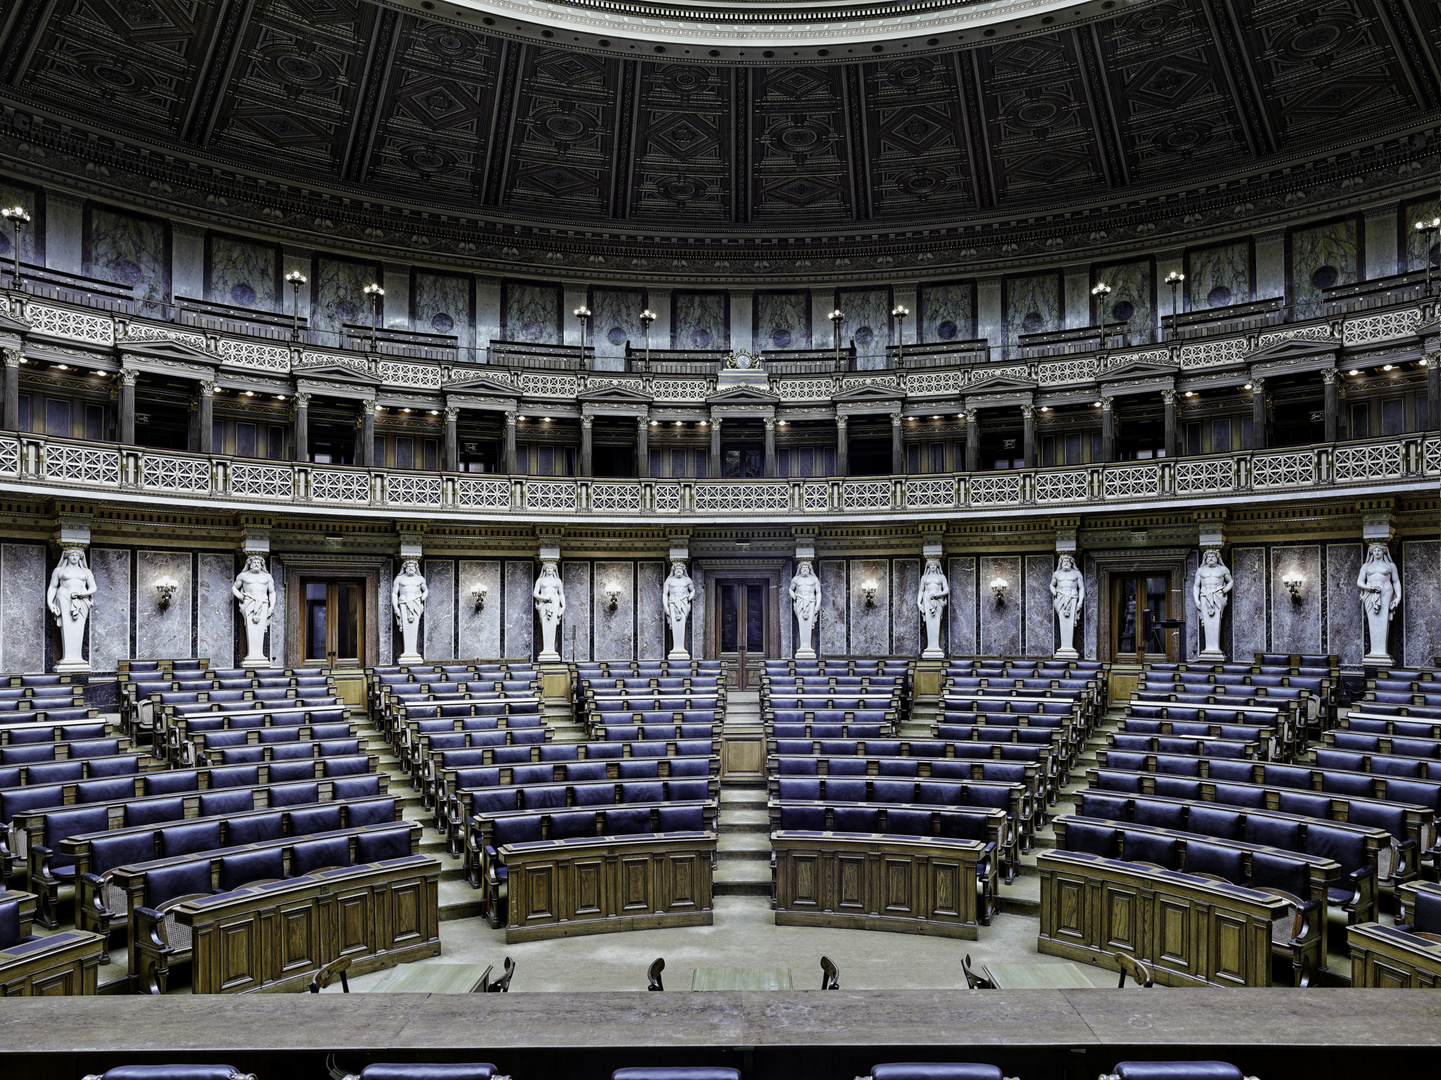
x=519 y=419
x=1190 y=393
x=655 y=423
x=1246 y=387
x=681 y=423
x=1045 y=408
x=248 y=393
x=703 y=423
x=434 y=412
x=782 y=423
x=62 y=367
x=545 y=419
x=1388 y=367
x=1354 y=371
x=279 y=397
x=1095 y=404
x=97 y=371
x=935 y=418
x=1423 y=361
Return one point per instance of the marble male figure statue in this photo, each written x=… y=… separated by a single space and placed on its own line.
x=931 y=599
x=1068 y=594
x=1380 y=585
x=549 y=596
x=676 y=597
x=1211 y=591
x=255 y=589
x=407 y=598
x=806 y=604
x=69 y=597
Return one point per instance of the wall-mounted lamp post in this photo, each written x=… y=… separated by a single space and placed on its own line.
x=998 y=590
x=1174 y=279
x=646 y=318
x=375 y=292
x=900 y=311
x=583 y=313
x=1101 y=291
x=477 y=593
x=17 y=216
x=837 y=317
x=1426 y=229
x=296 y=279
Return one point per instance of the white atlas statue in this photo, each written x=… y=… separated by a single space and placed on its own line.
x=407 y=599
x=676 y=597
x=255 y=590
x=72 y=587
x=1380 y=585
x=549 y=596
x=806 y=604
x=1068 y=595
x=1212 y=592
x=931 y=599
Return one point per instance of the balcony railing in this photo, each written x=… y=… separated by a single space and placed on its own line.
x=30 y=463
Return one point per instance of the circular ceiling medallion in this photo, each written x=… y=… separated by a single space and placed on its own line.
x=451 y=42
x=427 y=160
x=563 y=126
x=683 y=79
x=910 y=73
x=681 y=189
x=308 y=70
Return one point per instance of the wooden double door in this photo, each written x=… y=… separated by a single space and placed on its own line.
x=333 y=621
x=743 y=618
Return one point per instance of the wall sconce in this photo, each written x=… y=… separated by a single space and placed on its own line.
x=1293 y=582
x=164 y=593
x=612 y=595
x=998 y=590
x=868 y=590
x=478 y=592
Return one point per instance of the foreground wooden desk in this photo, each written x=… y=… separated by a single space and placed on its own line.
x=430 y=979
x=733 y=978
x=1064 y=975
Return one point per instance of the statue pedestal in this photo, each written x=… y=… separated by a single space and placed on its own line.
x=1380 y=660
x=73 y=667
x=255 y=661
x=1067 y=654
x=677 y=654
x=408 y=658
x=805 y=654
x=933 y=654
x=1211 y=654
x=548 y=656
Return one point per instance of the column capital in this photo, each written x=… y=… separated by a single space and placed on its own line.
x=842 y=420
x=1107 y=404
x=642 y=421
x=1328 y=376
x=896 y=419
x=1168 y=396
x=1258 y=383
x=207 y=388
x=586 y=421
x=715 y=423
x=769 y=422
x=452 y=413
x=1028 y=411
x=301 y=399
x=510 y=417
x=972 y=414
x=13 y=357
x=128 y=376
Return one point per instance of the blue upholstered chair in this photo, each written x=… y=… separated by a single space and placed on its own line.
x=172 y=1072
x=1175 y=1070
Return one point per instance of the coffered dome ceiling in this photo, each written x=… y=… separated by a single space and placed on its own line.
x=748 y=122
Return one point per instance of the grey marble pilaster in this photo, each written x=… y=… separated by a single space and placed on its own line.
x=787 y=618
x=1345 y=623
x=110 y=617
x=614 y=629
x=870 y=626
x=575 y=576
x=699 y=627
x=1088 y=633
x=519 y=638
x=1001 y=623
x=385 y=617
x=962 y=613
x=1194 y=642
x=1040 y=615
x=1247 y=610
x=650 y=627
x=24 y=578
x=278 y=622
x=1296 y=624
x=162 y=633
x=907 y=631
x=439 y=643
x=479 y=637
x=216 y=609
x=1420 y=602
x=831 y=634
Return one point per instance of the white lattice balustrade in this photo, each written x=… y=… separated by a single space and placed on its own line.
x=405 y=490
x=1054 y=487
x=1289 y=469
x=866 y=495
x=1000 y=490
x=263 y=481
x=9 y=456
x=82 y=464
x=816 y=497
x=667 y=497
x=1130 y=481
x=615 y=495
x=939 y=494
x=1203 y=477
x=163 y=472
x=743 y=496
x=1375 y=461
x=550 y=495
x=478 y=494
x=336 y=485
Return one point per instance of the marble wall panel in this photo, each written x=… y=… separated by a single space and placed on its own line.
x=831 y=634
x=867 y=321
x=244 y=273
x=215 y=610
x=1416 y=242
x=1247 y=610
x=1321 y=256
x=439 y=630
x=110 y=616
x=1216 y=277
x=24 y=577
x=575 y=576
x=787 y=616
x=385 y=618
x=441 y=305
x=1188 y=602
x=129 y=250
x=338 y=295
x=615 y=627
x=946 y=312
x=700 y=629
x=162 y=633
x=617 y=320
x=1130 y=285
x=651 y=630
x=1032 y=305
x=530 y=311
x=1001 y=622
x=1093 y=599
x=870 y=624
x=1296 y=624
x=487 y=310
x=961 y=615
x=781 y=320
x=1345 y=622
x=700 y=320
x=907 y=630
x=1040 y=615
x=16 y=195
x=520 y=631
x=1421 y=601
x=479 y=631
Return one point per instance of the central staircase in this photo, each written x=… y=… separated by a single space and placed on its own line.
x=743 y=843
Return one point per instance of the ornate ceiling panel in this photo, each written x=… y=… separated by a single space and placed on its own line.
x=376 y=102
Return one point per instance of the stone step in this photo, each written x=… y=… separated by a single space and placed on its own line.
x=742 y=877
x=746 y=821
x=743 y=846
x=735 y=795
